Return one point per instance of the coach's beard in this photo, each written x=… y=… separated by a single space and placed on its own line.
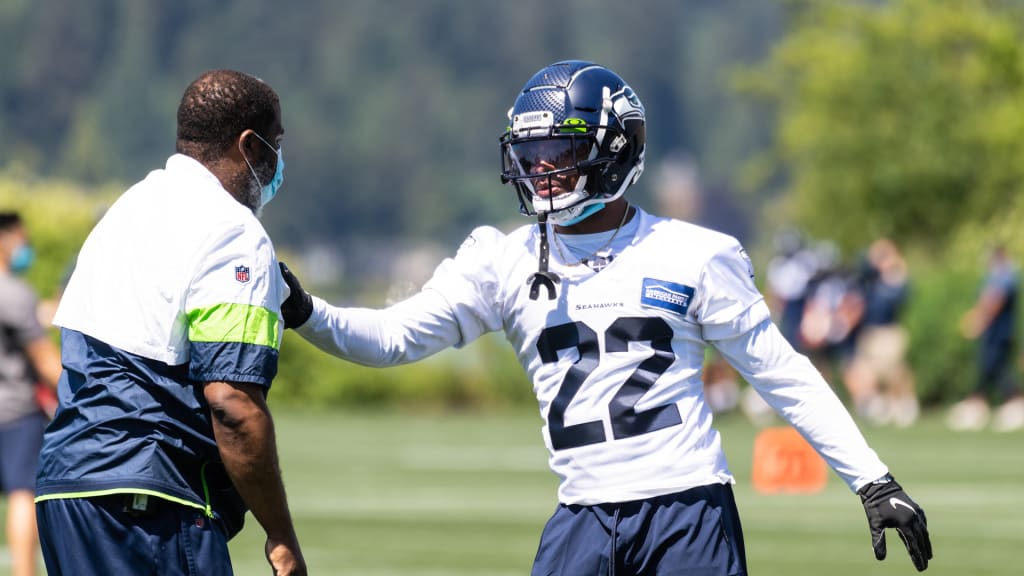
x=251 y=196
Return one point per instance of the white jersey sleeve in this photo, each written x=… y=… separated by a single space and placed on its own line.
x=728 y=302
x=796 y=390
x=412 y=329
x=456 y=306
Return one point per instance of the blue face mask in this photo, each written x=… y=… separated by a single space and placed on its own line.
x=22 y=258
x=269 y=190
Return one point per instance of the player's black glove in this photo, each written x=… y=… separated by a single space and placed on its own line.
x=888 y=506
x=299 y=305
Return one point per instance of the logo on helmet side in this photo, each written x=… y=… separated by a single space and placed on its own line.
x=617 y=144
x=573 y=125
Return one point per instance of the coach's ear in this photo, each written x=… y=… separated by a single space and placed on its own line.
x=298 y=307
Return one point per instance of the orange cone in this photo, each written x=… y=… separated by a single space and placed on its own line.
x=785 y=462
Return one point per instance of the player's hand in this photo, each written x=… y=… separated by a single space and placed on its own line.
x=888 y=506
x=299 y=305
x=285 y=558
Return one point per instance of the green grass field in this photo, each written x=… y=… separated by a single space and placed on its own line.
x=395 y=494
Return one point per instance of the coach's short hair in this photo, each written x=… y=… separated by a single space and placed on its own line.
x=217 y=107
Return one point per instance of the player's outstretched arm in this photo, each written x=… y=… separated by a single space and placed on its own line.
x=245 y=437
x=888 y=506
x=417 y=327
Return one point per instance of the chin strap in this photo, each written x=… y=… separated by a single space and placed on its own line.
x=583 y=215
x=542 y=277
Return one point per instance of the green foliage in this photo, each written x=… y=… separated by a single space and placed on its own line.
x=902 y=118
x=58 y=215
x=944 y=363
x=392 y=110
x=483 y=375
x=945 y=289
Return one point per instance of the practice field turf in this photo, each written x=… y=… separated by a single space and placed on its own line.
x=395 y=494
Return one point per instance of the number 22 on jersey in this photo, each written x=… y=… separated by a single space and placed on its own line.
x=624 y=418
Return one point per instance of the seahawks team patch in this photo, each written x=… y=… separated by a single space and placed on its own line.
x=666 y=295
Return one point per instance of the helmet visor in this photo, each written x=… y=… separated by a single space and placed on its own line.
x=546 y=155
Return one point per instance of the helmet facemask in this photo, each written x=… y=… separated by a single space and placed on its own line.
x=551 y=173
x=562 y=170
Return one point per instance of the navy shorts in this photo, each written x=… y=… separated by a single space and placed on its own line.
x=100 y=536
x=693 y=533
x=20 y=442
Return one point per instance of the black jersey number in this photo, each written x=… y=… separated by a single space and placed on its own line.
x=622 y=413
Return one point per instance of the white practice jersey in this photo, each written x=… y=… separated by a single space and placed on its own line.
x=616 y=358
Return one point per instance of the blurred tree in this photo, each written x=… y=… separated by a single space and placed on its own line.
x=392 y=109
x=902 y=118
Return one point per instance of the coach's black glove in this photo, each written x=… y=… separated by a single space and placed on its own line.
x=299 y=305
x=888 y=506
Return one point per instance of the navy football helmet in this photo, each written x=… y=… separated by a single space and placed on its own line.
x=575 y=141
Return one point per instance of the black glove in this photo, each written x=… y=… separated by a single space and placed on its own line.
x=299 y=305
x=888 y=506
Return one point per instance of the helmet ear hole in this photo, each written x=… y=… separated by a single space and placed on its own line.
x=626 y=154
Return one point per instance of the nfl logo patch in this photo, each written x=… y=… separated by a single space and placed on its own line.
x=242 y=274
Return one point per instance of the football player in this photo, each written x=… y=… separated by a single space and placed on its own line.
x=609 y=309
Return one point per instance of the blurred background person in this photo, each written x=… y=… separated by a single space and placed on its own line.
x=993 y=322
x=721 y=383
x=788 y=275
x=27 y=356
x=831 y=314
x=879 y=380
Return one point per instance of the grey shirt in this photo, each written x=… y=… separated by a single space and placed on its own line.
x=19 y=326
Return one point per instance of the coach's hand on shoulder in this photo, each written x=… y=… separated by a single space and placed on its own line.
x=888 y=506
x=299 y=305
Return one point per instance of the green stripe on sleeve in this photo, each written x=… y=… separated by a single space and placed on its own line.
x=242 y=323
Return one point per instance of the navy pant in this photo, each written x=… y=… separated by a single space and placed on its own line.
x=20 y=442
x=693 y=533
x=995 y=361
x=97 y=536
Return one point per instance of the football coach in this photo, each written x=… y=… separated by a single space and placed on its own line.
x=170 y=328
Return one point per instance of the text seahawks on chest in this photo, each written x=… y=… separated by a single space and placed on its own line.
x=599 y=305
